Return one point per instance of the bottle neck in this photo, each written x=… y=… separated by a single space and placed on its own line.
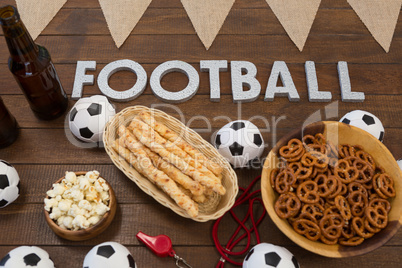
x=19 y=41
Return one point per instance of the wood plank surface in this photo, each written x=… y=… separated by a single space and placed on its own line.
x=44 y=150
x=188 y=48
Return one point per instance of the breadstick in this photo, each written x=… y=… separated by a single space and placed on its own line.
x=171 y=147
x=145 y=137
x=193 y=186
x=173 y=137
x=197 y=198
x=145 y=167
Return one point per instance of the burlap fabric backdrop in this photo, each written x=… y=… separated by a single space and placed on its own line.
x=208 y=16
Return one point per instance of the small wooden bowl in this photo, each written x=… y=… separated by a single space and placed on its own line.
x=90 y=232
x=343 y=134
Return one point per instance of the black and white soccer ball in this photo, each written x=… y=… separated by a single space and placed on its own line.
x=240 y=142
x=266 y=255
x=366 y=121
x=27 y=257
x=109 y=255
x=88 y=118
x=9 y=184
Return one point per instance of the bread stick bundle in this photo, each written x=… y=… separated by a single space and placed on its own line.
x=171 y=147
x=170 y=135
x=149 y=138
x=138 y=158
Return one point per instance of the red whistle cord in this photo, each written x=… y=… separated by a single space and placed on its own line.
x=251 y=198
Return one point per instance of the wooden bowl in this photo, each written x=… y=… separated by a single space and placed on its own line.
x=343 y=134
x=90 y=232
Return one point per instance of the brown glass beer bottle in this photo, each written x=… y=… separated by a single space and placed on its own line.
x=8 y=126
x=32 y=68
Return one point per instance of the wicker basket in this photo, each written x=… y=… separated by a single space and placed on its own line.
x=216 y=206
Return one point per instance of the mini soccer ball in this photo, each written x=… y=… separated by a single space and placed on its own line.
x=88 y=118
x=9 y=184
x=240 y=142
x=365 y=121
x=269 y=256
x=109 y=255
x=27 y=256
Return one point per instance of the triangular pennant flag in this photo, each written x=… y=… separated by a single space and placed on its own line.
x=37 y=14
x=296 y=16
x=380 y=18
x=207 y=17
x=122 y=16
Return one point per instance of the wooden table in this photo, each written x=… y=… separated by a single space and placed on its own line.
x=251 y=32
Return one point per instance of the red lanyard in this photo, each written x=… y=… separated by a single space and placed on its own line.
x=251 y=198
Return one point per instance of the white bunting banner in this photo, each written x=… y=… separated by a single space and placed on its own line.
x=296 y=17
x=207 y=17
x=37 y=14
x=122 y=16
x=380 y=18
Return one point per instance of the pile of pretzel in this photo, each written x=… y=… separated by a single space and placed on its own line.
x=163 y=157
x=333 y=194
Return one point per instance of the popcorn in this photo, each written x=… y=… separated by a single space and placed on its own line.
x=56 y=213
x=65 y=204
x=80 y=222
x=101 y=209
x=78 y=202
x=84 y=204
x=50 y=203
x=68 y=222
x=71 y=177
x=84 y=183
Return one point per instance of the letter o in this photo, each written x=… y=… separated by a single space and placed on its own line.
x=122 y=65
x=175 y=66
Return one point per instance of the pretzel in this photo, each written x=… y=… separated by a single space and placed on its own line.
x=308 y=228
x=273 y=175
x=369 y=227
x=377 y=216
x=366 y=157
x=345 y=173
x=308 y=139
x=380 y=202
x=359 y=228
x=353 y=241
x=384 y=185
x=338 y=190
x=284 y=180
x=326 y=185
x=300 y=171
x=331 y=226
x=328 y=241
x=347 y=231
x=287 y=205
x=293 y=151
x=343 y=206
x=315 y=210
x=355 y=186
x=316 y=159
x=308 y=192
x=358 y=201
x=346 y=150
